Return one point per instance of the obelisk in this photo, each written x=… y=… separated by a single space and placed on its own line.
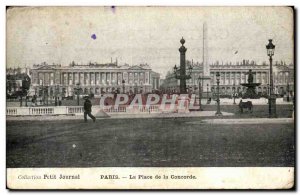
x=206 y=84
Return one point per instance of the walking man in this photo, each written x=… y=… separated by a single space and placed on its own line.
x=88 y=109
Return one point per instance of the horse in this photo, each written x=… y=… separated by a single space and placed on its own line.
x=247 y=104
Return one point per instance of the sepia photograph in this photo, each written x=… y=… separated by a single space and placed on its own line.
x=150 y=97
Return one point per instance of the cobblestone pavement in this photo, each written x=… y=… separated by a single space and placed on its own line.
x=148 y=142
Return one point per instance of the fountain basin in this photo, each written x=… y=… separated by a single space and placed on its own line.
x=250 y=91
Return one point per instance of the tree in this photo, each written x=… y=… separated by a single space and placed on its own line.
x=25 y=88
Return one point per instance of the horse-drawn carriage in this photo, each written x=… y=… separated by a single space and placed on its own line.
x=247 y=105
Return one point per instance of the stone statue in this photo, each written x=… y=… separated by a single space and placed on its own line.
x=250 y=77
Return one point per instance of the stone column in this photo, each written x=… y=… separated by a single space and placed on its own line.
x=241 y=79
x=100 y=79
x=111 y=77
x=85 y=78
x=67 y=79
x=138 y=78
x=80 y=80
x=49 y=78
x=107 y=78
x=215 y=78
x=71 y=78
x=43 y=78
x=62 y=78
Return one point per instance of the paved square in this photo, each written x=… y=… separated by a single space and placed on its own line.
x=147 y=142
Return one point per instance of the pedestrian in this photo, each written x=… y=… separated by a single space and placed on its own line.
x=88 y=109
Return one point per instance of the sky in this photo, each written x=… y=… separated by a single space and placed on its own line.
x=139 y=35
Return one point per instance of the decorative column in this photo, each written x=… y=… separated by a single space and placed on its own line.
x=182 y=51
x=110 y=78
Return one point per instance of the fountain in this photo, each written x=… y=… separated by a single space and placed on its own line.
x=250 y=92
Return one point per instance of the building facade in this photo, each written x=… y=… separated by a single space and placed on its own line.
x=93 y=79
x=232 y=75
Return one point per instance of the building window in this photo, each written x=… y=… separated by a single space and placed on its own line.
x=142 y=78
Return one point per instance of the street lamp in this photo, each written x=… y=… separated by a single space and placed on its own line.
x=288 y=92
x=272 y=98
x=234 y=93
x=200 y=93
x=77 y=90
x=218 y=113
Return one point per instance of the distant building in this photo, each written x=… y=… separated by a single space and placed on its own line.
x=155 y=78
x=15 y=78
x=231 y=75
x=93 y=78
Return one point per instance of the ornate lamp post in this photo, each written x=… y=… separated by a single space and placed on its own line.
x=207 y=92
x=218 y=113
x=182 y=70
x=234 y=93
x=288 y=92
x=77 y=90
x=200 y=93
x=272 y=98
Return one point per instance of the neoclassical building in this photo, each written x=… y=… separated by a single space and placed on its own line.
x=93 y=78
x=232 y=75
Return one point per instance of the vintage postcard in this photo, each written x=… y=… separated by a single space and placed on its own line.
x=150 y=98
